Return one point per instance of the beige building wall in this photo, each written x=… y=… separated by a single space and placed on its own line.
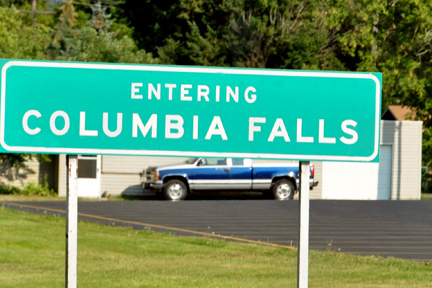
x=316 y=192
x=396 y=177
x=406 y=139
x=29 y=172
x=62 y=175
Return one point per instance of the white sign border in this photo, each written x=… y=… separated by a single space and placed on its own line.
x=187 y=69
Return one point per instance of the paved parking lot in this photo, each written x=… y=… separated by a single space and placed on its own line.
x=401 y=229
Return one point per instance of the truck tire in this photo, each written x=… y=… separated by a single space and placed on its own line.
x=175 y=190
x=283 y=190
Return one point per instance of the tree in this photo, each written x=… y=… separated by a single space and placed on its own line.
x=20 y=41
x=245 y=33
x=100 y=21
x=102 y=47
x=281 y=34
x=395 y=38
x=65 y=39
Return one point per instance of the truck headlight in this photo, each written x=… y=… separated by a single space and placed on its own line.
x=156 y=175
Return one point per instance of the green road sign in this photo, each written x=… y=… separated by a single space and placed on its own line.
x=89 y=108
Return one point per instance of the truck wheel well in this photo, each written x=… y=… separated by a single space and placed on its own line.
x=291 y=179
x=183 y=179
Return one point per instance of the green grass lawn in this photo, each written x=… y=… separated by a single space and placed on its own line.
x=32 y=254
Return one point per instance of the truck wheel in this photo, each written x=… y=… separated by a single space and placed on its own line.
x=283 y=190
x=175 y=190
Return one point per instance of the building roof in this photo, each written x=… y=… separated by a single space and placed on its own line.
x=399 y=113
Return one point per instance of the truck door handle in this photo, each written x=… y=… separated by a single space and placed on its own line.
x=227 y=169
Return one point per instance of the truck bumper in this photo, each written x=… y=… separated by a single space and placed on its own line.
x=153 y=186
x=312 y=183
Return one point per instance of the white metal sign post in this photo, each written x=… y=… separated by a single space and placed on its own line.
x=303 y=246
x=72 y=222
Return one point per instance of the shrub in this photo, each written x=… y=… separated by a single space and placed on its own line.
x=7 y=190
x=30 y=189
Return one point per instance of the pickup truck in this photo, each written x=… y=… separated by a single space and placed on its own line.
x=227 y=174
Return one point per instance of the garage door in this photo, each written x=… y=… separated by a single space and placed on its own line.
x=358 y=181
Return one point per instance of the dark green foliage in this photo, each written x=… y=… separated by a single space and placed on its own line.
x=15 y=159
x=100 y=20
x=66 y=35
x=30 y=189
x=9 y=190
x=267 y=34
x=426 y=182
x=9 y=3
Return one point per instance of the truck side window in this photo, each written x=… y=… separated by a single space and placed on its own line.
x=238 y=162
x=214 y=162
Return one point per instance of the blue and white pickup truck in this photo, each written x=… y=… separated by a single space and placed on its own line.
x=227 y=174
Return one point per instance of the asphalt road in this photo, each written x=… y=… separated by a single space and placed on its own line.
x=400 y=229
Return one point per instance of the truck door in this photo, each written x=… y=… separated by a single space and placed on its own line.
x=241 y=174
x=210 y=174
